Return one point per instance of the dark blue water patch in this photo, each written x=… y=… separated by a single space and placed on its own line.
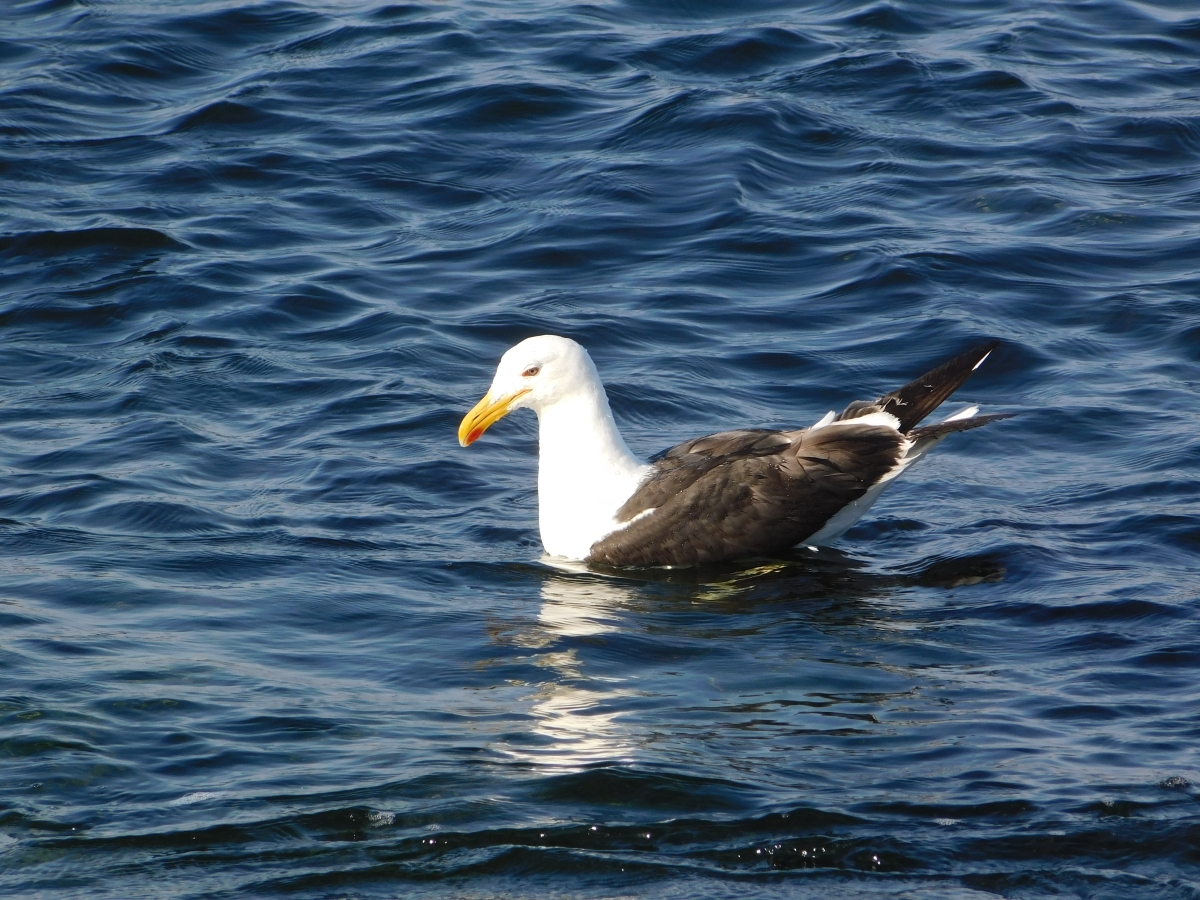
x=799 y=841
x=723 y=55
x=103 y=242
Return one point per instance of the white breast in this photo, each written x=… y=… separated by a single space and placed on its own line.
x=585 y=473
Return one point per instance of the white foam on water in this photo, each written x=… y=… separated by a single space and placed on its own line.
x=196 y=797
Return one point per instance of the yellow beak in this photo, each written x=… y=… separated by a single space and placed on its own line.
x=483 y=415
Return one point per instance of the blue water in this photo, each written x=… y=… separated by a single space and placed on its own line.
x=266 y=630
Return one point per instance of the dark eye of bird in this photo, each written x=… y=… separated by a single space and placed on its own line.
x=531 y=371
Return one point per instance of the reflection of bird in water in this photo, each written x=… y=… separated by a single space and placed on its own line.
x=581 y=607
x=581 y=718
x=576 y=715
x=734 y=495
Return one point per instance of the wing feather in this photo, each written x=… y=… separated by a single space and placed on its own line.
x=747 y=493
x=758 y=492
x=917 y=399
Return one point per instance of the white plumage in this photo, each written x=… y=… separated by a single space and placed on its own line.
x=586 y=471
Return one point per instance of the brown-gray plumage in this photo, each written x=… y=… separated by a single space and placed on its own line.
x=758 y=492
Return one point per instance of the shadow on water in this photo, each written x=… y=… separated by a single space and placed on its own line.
x=817 y=576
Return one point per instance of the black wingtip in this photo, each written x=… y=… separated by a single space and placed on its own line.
x=941 y=429
x=917 y=399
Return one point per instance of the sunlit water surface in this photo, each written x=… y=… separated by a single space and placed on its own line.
x=266 y=628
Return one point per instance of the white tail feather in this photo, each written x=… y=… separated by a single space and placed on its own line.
x=968 y=413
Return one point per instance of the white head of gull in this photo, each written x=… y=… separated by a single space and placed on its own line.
x=585 y=468
x=732 y=495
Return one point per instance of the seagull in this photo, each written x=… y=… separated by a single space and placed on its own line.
x=753 y=492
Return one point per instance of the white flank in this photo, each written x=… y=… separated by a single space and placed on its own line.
x=845 y=518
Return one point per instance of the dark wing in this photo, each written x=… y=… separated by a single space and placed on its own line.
x=678 y=467
x=917 y=399
x=941 y=429
x=746 y=493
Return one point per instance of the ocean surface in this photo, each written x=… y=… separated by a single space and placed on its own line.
x=266 y=630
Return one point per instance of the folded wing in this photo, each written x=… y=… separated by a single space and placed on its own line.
x=758 y=492
x=747 y=493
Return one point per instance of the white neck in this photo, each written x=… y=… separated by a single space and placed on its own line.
x=585 y=472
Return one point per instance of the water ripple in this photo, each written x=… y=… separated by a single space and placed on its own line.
x=267 y=628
